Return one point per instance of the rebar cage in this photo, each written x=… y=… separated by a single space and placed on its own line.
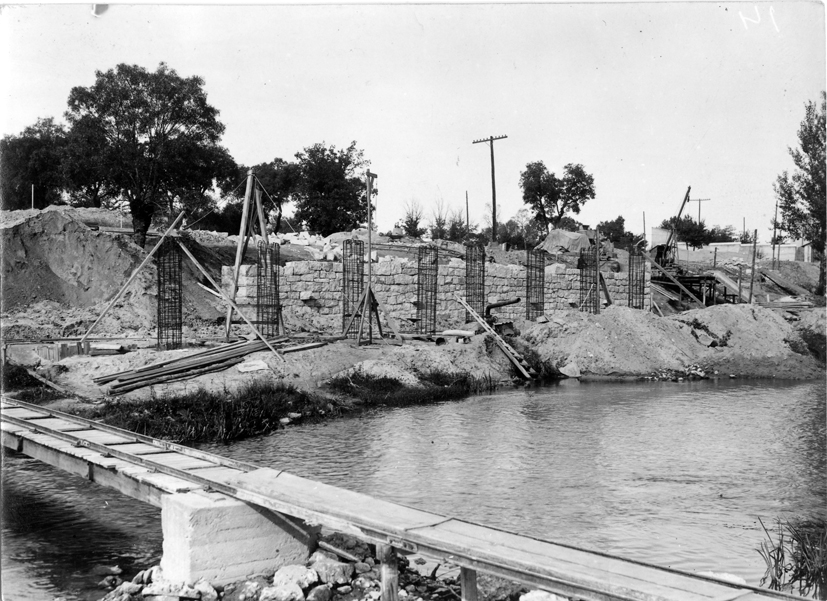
x=589 y=284
x=475 y=279
x=637 y=278
x=168 y=260
x=268 y=300
x=353 y=282
x=535 y=283
x=427 y=265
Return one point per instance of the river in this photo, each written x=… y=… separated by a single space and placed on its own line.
x=672 y=474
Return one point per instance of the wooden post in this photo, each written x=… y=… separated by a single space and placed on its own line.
x=468 y=582
x=774 y=222
x=754 y=252
x=129 y=281
x=230 y=301
x=389 y=572
x=740 y=276
x=261 y=220
x=239 y=252
x=715 y=258
x=646 y=256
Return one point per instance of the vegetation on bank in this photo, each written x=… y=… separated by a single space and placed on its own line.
x=796 y=557
x=435 y=386
x=17 y=380
x=260 y=407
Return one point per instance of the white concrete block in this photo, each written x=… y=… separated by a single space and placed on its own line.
x=222 y=540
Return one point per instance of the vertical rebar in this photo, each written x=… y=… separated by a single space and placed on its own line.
x=637 y=278
x=353 y=282
x=169 y=295
x=475 y=279
x=268 y=301
x=535 y=283
x=427 y=266
x=589 y=284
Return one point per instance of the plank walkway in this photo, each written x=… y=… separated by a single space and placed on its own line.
x=147 y=469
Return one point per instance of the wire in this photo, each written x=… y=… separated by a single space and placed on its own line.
x=273 y=200
x=211 y=211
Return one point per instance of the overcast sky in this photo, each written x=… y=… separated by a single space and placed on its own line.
x=650 y=98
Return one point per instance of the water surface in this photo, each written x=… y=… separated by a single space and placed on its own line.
x=672 y=474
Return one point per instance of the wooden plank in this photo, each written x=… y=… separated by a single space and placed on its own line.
x=12 y=428
x=330 y=506
x=101 y=437
x=178 y=461
x=219 y=474
x=616 y=576
x=55 y=423
x=646 y=256
x=138 y=448
x=605 y=288
x=22 y=413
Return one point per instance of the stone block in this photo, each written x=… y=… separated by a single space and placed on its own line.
x=219 y=539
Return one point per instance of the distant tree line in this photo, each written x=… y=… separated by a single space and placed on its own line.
x=149 y=140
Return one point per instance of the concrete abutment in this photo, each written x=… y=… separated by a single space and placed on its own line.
x=220 y=539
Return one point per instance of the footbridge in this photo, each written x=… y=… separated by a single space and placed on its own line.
x=225 y=519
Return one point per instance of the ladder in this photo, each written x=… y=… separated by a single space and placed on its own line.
x=516 y=358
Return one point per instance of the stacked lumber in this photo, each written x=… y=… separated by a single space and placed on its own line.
x=182 y=368
x=787 y=305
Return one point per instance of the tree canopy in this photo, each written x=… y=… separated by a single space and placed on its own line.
x=801 y=195
x=32 y=158
x=551 y=198
x=157 y=136
x=330 y=195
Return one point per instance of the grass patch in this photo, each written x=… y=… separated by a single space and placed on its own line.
x=435 y=386
x=201 y=416
x=796 y=557
x=16 y=379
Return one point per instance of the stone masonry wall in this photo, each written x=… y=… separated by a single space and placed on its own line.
x=311 y=291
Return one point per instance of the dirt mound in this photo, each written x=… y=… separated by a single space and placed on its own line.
x=54 y=257
x=58 y=275
x=746 y=340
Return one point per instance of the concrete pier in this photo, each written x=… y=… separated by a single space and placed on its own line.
x=220 y=539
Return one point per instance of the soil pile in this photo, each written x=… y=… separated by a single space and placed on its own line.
x=58 y=275
x=56 y=258
x=745 y=340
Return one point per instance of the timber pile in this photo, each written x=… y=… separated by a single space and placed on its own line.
x=787 y=305
x=183 y=368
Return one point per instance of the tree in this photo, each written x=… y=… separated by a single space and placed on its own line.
x=569 y=224
x=439 y=221
x=801 y=196
x=747 y=238
x=152 y=125
x=413 y=217
x=32 y=158
x=331 y=193
x=615 y=232
x=721 y=234
x=692 y=232
x=550 y=197
x=279 y=179
x=85 y=176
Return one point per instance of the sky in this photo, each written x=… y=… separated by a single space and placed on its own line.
x=649 y=97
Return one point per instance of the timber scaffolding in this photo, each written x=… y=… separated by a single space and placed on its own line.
x=150 y=470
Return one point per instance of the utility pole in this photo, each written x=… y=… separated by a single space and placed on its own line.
x=467 y=221
x=490 y=140
x=32 y=197
x=699 y=201
x=774 y=222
